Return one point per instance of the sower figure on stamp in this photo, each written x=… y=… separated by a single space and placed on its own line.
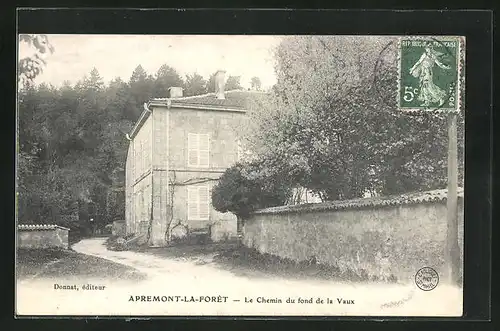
x=429 y=92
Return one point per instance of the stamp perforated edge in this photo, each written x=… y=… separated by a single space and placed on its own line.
x=460 y=63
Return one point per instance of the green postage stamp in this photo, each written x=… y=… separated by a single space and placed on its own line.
x=430 y=73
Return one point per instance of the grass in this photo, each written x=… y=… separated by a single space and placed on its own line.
x=48 y=263
x=248 y=262
x=195 y=252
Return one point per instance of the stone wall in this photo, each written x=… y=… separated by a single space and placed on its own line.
x=129 y=191
x=160 y=178
x=42 y=236
x=221 y=126
x=377 y=241
x=138 y=178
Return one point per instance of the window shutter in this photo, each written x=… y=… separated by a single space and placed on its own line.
x=193 y=146
x=192 y=203
x=204 y=204
x=204 y=150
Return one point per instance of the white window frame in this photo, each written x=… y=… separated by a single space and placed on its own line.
x=194 y=193
x=194 y=147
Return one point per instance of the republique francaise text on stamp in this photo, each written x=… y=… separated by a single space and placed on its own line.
x=429 y=73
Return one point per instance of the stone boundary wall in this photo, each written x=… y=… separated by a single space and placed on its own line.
x=42 y=236
x=375 y=238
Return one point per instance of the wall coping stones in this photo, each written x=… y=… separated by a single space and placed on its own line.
x=36 y=227
x=433 y=196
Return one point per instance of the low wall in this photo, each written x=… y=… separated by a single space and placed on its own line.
x=42 y=236
x=375 y=238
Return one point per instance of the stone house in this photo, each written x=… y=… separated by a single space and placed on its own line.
x=178 y=149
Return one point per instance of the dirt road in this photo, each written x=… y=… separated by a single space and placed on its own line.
x=176 y=287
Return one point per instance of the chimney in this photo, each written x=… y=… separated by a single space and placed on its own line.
x=219 y=84
x=175 y=91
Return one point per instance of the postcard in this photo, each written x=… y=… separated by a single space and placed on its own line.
x=240 y=175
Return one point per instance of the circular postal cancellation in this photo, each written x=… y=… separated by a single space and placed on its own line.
x=430 y=70
x=426 y=279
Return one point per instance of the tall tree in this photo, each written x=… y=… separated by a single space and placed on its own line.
x=233 y=83
x=332 y=124
x=141 y=90
x=195 y=85
x=165 y=78
x=138 y=75
x=211 y=83
x=94 y=81
x=255 y=83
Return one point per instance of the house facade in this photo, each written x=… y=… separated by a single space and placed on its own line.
x=178 y=149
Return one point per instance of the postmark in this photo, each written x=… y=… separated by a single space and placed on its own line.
x=426 y=279
x=429 y=73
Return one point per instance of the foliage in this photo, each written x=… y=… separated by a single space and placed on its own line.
x=71 y=151
x=211 y=83
x=72 y=147
x=255 y=83
x=332 y=125
x=31 y=65
x=242 y=189
x=195 y=85
x=166 y=77
x=233 y=83
x=141 y=90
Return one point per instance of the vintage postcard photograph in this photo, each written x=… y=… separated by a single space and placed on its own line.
x=240 y=175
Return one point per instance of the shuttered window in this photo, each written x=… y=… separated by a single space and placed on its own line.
x=198 y=202
x=198 y=150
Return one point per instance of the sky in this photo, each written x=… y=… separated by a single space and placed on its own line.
x=118 y=55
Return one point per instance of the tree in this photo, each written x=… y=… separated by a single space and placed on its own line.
x=243 y=188
x=165 y=78
x=94 y=81
x=211 y=83
x=141 y=90
x=138 y=75
x=195 y=85
x=332 y=124
x=37 y=48
x=233 y=83
x=71 y=150
x=255 y=83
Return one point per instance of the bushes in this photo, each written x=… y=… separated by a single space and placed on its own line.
x=243 y=189
x=118 y=243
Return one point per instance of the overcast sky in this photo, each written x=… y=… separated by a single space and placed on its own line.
x=118 y=55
